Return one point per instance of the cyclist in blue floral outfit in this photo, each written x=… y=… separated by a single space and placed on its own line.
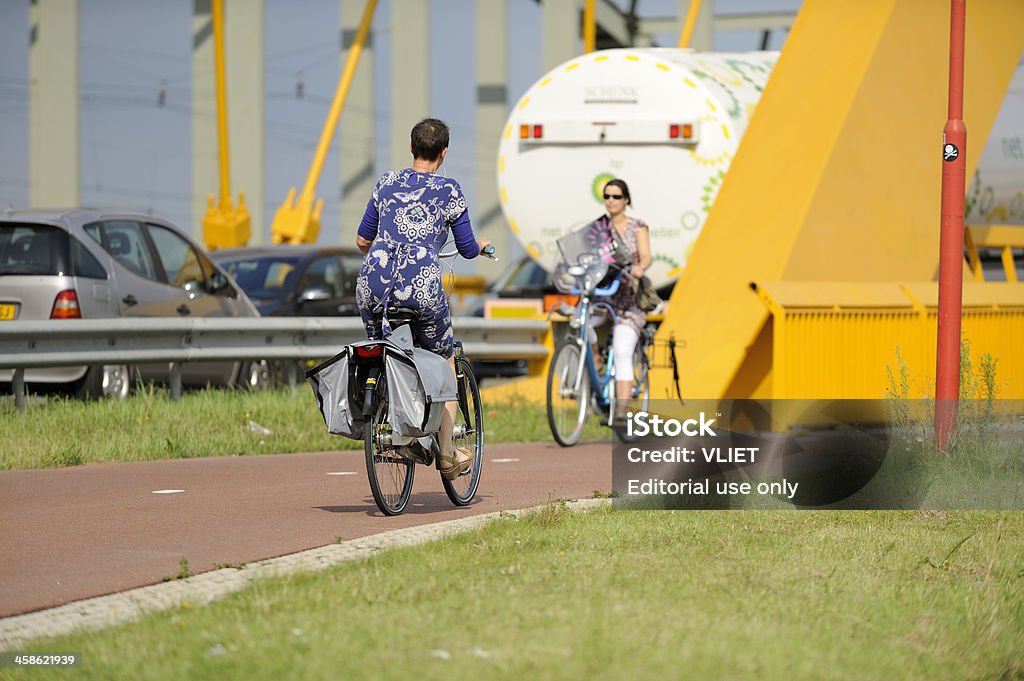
x=407 y=221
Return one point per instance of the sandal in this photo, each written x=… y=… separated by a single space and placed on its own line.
x=459 y=462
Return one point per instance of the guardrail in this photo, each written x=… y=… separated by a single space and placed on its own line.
x=51 y=343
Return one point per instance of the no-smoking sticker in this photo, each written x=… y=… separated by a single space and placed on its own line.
x=949 y=153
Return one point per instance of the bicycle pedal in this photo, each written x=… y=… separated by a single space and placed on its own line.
x=617 y=422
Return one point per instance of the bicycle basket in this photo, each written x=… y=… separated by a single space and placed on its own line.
x=591 y=242
x=562 y=280
x=589 y=247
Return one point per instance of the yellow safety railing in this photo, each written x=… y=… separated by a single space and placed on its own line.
x=1004 y=238
x=828 y=340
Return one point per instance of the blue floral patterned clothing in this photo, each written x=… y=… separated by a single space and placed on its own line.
x=408 y=218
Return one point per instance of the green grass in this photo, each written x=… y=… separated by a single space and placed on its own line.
x=150 y=426
x=617 y=595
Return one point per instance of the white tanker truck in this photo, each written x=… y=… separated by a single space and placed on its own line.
x=668 y=122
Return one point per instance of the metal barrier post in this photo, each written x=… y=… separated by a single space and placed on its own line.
x=175 y=380
x=19 y=389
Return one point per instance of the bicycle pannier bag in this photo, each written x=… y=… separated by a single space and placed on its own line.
x=419 y=383
x=331 y=383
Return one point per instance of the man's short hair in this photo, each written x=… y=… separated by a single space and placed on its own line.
x=429 y=138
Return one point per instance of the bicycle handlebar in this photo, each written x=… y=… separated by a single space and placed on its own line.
x=487 y=251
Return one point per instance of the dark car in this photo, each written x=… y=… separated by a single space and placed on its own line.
x=523 y=279
x=290 y=281
x=526 y=279
x=94 y=264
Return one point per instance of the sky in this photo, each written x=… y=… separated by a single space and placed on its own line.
x=136 y=155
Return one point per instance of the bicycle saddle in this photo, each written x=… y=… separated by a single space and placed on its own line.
x=401 y=315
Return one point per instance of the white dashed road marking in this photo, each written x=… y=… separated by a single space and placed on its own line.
x=167 y=491
x=504 y=460
x=343 y=473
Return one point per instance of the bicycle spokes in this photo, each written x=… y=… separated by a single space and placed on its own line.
x=467 y=435
x=568 y=393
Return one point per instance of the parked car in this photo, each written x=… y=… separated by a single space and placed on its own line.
x=523 y=279
x=290 y=281
x=90 y=264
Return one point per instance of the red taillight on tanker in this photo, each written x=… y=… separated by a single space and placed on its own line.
x=65 y=306
x=528 y=131
x=680 y=131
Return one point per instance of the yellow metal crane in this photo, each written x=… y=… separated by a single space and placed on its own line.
x=689 y=23
x=298 y=221
x=224 y=225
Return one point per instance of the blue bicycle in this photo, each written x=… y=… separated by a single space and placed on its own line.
x=575 y=383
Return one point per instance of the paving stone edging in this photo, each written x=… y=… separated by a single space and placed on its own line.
x=127 y=606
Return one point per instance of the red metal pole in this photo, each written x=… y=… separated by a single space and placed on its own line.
x=951 y=243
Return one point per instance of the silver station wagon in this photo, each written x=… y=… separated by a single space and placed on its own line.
x=89 y=264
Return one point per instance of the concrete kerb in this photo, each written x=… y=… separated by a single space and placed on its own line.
x=127 y=606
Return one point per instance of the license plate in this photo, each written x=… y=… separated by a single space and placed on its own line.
x=7 y=312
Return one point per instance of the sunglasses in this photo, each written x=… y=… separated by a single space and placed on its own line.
x=617 y=197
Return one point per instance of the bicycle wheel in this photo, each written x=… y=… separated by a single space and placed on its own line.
x=567 y=401
x=390 y=473
x=469 y=432
x=641 y=396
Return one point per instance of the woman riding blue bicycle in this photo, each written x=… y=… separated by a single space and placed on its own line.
x=630 y=320
x=407 y=221
x=601 y=263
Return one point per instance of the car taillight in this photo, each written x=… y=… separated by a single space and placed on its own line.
x=370 y=350
x=66 y=306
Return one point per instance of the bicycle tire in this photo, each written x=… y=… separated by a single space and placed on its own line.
x=469 y=420
x=390 y=474
x=566 y=404
x=642 y=392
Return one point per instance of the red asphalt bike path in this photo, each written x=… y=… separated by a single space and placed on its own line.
x=72 y=533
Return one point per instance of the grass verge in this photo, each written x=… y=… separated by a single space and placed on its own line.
x=613 y=595
x=150 y=426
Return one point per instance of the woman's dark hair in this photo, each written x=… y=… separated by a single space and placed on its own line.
x=621 y=184
x=429 y=138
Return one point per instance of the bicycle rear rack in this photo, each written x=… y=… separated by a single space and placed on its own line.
x=661 y=352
